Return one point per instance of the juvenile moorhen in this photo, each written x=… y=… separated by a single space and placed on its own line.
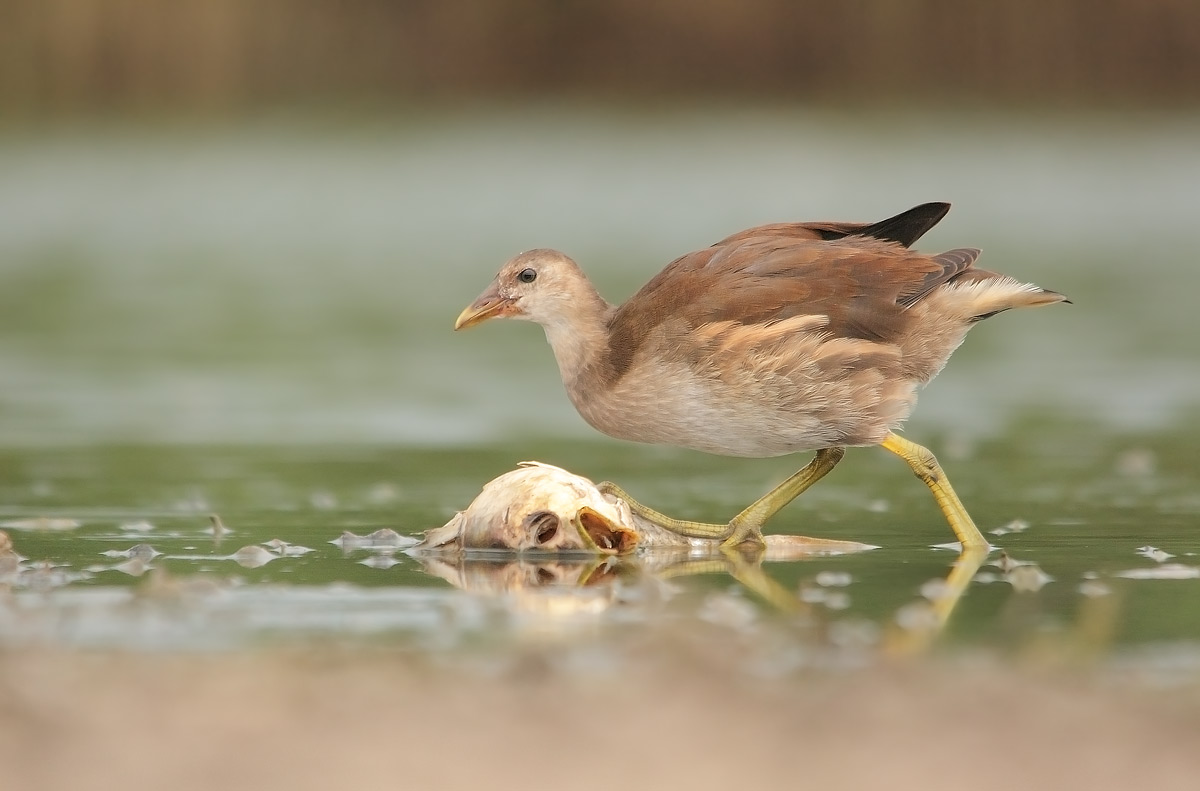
x=778 y=339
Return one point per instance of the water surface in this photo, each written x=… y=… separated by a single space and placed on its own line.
x=255 y=322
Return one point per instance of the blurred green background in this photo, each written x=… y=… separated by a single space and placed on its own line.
x=255 y=222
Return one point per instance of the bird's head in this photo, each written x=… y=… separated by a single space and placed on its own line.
x=539 y=285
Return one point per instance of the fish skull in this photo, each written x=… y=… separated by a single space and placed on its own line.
x=539 y=508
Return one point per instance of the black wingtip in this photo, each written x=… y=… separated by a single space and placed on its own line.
x=907 y=226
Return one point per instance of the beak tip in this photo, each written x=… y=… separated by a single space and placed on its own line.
x=467 y=318
x=482 y=309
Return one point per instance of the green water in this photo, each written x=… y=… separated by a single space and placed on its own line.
x=1086 y=516
x=255 y=322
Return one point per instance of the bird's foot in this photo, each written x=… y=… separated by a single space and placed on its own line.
x=743 y=533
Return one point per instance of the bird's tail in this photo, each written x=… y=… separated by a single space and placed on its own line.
x=978 y=294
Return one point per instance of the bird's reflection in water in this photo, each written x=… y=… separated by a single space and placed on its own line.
x=916 y=625
x=568 y=591
x=557 y=589
x=550 y=543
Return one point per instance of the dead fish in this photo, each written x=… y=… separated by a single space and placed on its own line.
x=538 y=507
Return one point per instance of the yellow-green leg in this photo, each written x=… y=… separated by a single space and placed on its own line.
x=746 y=526
x=926 y=467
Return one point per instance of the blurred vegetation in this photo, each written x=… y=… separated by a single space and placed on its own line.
x=65 y=56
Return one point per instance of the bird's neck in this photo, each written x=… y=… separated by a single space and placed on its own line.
x=579 y=337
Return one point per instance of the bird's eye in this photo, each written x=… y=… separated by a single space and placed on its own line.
x=527 y=276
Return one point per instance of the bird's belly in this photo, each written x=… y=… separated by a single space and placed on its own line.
x=722 y=431
x=756 y=419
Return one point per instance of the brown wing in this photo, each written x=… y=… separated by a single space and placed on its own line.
x=951 y=264
x=861 y=284
x=905 y=228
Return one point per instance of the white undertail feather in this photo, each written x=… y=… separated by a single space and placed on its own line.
x=985 y=297
x=946 y=315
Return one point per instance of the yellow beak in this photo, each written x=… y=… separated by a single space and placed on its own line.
x=490 y=304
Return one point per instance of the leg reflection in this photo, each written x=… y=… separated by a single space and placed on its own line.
x=916 y=626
